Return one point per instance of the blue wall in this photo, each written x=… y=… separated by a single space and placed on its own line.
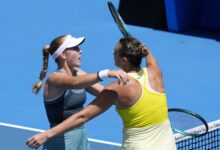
x=184 y=15
x=210 y=14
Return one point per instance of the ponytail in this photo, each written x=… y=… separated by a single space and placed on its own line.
x=37 y=86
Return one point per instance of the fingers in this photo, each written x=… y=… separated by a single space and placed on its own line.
x=123 y=77
x=37 y=140
x=32 y=143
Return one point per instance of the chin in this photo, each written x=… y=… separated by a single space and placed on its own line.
x=78 y=65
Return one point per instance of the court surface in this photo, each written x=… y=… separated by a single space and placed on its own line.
x=189 y=61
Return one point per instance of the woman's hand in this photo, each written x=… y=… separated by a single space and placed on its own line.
x=37 y=140
x=121 y=75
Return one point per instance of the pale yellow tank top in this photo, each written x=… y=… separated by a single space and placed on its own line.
x=150 y=109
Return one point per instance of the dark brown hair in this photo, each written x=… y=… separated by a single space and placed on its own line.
x=133 y=49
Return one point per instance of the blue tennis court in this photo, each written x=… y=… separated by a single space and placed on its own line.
x=190 y=63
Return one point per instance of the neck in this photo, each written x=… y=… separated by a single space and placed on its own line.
x=65 y=67
x=133 y=69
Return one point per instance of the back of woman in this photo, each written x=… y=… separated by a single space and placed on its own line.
x=142 y=102
x=146 y=119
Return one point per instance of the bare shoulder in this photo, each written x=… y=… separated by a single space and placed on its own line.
x=115 y=86
x=132 y=85
x=56 y=77
x=52 y=77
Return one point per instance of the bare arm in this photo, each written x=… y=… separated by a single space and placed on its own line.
x=154 y=73
x=69 y=82
x=95 y=89
x=152 y=65
x=103 y=102
x=151 y=61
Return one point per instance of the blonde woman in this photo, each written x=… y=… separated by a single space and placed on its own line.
x=65 y=90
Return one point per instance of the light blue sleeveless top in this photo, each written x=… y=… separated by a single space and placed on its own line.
x=69 y=102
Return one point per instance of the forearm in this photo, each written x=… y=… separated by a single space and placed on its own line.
x=70 y=123
x=98 y=106
x=90 y=79
x=95 y=89
x=78 y=82
x=85 y=81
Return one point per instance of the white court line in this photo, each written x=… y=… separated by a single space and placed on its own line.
x=39 y=130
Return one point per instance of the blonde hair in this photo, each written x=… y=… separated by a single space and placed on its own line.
x=37 y=86
x=47 y=49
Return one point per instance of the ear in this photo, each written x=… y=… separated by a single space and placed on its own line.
x=124 y=60
x=63 y=56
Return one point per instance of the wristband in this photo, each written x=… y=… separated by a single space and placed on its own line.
x=98 y=76
x=102 y=75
